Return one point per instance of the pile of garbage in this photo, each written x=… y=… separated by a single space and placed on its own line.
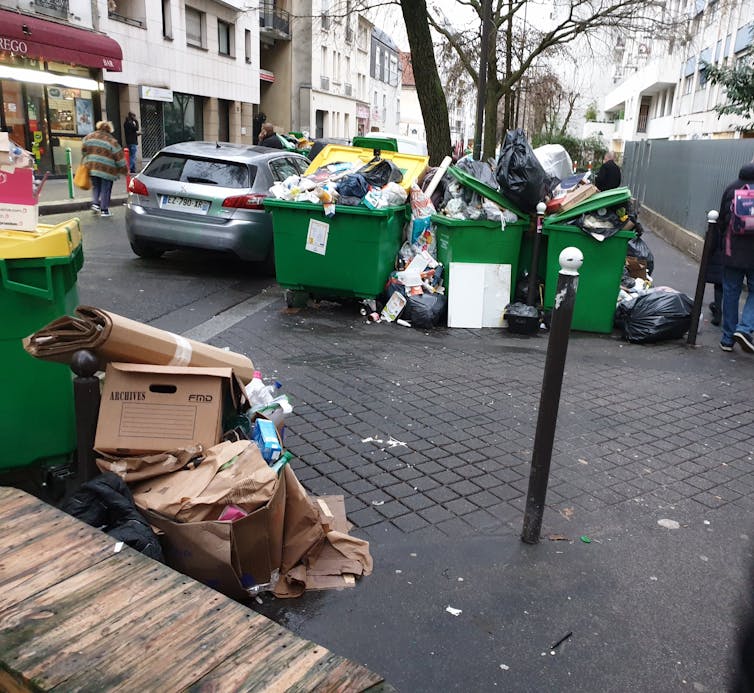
x=375 y=184
x=196 y=453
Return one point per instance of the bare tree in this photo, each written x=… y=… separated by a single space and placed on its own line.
x=510 y=57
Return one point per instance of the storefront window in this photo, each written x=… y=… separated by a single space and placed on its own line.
x=183 y=118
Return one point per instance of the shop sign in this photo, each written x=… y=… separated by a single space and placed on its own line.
x=12 y=45
x=155 y=94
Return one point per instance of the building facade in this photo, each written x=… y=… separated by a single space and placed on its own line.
x=52 y=67
x=661 y=89
x=411 y=119
x=191 y=69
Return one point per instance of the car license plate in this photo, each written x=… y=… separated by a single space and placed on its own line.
x=185 y=204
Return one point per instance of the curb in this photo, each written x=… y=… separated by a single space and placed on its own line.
x=63 y=206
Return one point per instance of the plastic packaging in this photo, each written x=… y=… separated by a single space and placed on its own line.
x=258 y=393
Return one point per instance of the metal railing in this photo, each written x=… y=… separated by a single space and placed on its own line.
x=324 y=83
x=275 y=19
x=347 y=89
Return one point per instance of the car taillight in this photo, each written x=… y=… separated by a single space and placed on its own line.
x=137 y=187
x=244 y=201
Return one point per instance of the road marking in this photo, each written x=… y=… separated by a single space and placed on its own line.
x=225 y=320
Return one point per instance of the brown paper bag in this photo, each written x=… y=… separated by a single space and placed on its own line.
x=167 y=495
x=248 y=483
x=227 y=556
x=134 y=469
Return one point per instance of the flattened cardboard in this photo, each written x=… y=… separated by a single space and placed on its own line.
x=578 y=195
x=227 y=556
x=151 y=409
x=115 y=338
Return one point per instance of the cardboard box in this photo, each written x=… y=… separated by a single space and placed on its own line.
x=227 y=556
x=151 y=409
x=578 y=195
x=18 y=204
x=19 y=217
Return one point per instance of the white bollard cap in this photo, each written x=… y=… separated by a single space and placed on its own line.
x=712 y=216
x=570 y=260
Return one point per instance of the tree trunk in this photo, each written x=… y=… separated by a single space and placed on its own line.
x=428 y=85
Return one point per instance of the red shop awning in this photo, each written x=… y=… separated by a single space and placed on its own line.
x=37 y=38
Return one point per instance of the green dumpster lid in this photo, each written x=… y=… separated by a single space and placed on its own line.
x=485 y=191
x=389 y=144
x=607 y=198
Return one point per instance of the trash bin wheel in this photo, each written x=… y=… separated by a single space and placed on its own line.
x=295 y=298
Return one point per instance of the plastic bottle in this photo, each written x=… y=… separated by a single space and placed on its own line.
x=257 y=392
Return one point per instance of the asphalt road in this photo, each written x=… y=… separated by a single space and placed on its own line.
x=177 y=292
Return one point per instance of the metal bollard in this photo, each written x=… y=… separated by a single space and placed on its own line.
x=701 y=280
x=127 y=155
x=531 y=290
x=69 y=164
x=86 y=399
x=552 y=380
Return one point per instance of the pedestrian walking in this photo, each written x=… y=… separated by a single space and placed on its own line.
x=608 y=177
x=738 y=265
x=131 y=135
x=103 y=157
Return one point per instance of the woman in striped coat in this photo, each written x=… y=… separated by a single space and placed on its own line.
x=103 y=156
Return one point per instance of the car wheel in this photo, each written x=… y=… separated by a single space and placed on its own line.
x=146 y=250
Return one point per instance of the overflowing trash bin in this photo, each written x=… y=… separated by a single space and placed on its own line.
x=328 y=249
x=590 y=227
x=480 y=240
x=38 y=272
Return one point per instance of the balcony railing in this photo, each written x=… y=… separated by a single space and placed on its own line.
x=347 y=89
x=324 y=83
x=325 y=20
x=274 y=20
x=53 y=8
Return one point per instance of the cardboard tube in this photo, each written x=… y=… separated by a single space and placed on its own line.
x=438 y=175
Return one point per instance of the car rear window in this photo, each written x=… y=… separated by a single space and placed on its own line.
x=186 y=169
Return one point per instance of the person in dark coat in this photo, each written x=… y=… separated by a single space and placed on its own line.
x=738 y=264
x=608 y=177
x=131 y=134
x=268 y=138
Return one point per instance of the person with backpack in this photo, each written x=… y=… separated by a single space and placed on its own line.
x=735 y=229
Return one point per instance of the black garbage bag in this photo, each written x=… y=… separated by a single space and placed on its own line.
x=604 y=223
x=655 y=317
x=480 y=170
x=353 y=185
x=520 y=175
x=379 y=172
x=425 y=310
x=638 y=248
x=106 y=502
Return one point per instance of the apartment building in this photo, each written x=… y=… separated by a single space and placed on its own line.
x=411 y=119
x=190 y=69
x=661 y=89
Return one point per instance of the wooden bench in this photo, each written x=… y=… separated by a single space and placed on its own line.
x=75 y=614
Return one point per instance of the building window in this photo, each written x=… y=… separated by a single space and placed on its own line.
x=247 y=45
x=196 y=34
x=324 y=60
x=167 y=20
x=128 y=11
x=225 y=34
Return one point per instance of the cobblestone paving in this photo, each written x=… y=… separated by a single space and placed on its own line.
x=435 y=430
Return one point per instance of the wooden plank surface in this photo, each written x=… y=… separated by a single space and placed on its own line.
x=76 y=616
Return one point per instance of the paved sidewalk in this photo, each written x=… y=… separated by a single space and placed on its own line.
x=429 y=437
x=55 y=196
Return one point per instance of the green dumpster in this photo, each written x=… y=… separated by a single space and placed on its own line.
x=601 y=273
x=482 y=240
x=349 y=255
x=37 y=284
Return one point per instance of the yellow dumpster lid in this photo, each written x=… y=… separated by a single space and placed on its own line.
x=49 y=240
x=411 y=165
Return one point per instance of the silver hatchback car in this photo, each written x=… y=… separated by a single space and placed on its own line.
x=207 y=195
